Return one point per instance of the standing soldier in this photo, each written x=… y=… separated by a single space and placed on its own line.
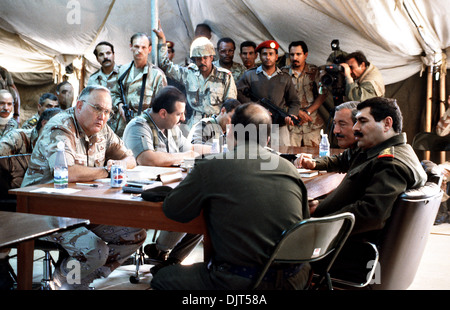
x=108 y=74
x=306 y=79
x=226 y=48
x=207 y=86
x=138 y=82
x=267 y=82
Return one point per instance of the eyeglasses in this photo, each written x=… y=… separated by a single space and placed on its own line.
x=100 y=111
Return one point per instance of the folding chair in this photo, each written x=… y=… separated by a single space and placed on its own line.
x=312 y=240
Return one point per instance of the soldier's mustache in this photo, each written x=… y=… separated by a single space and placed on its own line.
x=338 y=135
x=358 y=134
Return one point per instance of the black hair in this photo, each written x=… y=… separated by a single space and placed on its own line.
x=46 y=96
x=380 y=108
x=103 y=43
x=226 y=40
x=359 y=57
x=247 y=44
x=299 y=43
x=230 y=105
x=46 y=115
x=166 y=99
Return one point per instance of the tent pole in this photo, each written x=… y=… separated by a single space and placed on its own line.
x=83 y=73
x=442 y=101
x=154 y=25
x=429 y=105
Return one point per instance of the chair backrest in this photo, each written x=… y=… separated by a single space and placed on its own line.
x=312 y=240
x=427 y=141
x=12 y=171
x=405 y=236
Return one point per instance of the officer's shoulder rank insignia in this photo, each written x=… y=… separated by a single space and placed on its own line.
x=387 y=153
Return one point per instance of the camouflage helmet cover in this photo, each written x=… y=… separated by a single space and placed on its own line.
x=202 y=46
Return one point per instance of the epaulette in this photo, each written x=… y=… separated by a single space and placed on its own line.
x=32 y=121
x=223 y=70
x=387 y=153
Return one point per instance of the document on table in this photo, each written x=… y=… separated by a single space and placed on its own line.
x=55 y=190
x=163 y=174
x=307 y=173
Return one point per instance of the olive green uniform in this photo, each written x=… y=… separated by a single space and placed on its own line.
x=245 y=219
x=375 y=178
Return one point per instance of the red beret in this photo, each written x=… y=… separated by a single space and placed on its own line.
x=170 y=44
x=268 y=44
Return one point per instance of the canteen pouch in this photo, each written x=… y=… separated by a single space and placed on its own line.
x=156 y=194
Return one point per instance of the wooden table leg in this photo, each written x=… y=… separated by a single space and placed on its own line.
x=25 y=254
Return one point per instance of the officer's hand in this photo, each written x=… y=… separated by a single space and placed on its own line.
x=305 y=118
x=288 y=120
x=159 y=32
x=305 y=161
x=313 y=206
x=122 y=112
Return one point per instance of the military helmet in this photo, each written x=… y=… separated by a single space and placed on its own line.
x=202 y=46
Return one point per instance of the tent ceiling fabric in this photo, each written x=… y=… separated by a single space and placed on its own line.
x=38 y=36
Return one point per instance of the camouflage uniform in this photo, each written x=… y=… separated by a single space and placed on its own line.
x=31 y=122
x=237 y=70
x=108 y=81
x=10 y=125
x=99 y=248
x=18 y=141
x=156 y=80
x=205 y=131
x=7 y=82
x=306 y=85
x=443 y=126
x=205 y=96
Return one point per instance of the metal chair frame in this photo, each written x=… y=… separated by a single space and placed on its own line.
x=312 y=240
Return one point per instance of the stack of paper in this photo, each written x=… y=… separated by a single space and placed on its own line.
x=307 y=173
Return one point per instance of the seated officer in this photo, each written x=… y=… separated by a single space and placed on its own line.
x=213 y=127
x=384 y=169
x=242 y=221
x=22 y=141
x=156 y=140
x=90 y=148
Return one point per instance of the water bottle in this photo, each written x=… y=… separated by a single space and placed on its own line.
x=324 y=146
x=61 y=172
x=215 y=148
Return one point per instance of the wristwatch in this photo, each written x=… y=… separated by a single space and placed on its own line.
x=307 y=112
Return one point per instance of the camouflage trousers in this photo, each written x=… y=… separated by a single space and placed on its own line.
x=311 y=139
x=99 y=249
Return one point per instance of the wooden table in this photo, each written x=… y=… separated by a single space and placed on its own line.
x=22 y=229
x=109 y=206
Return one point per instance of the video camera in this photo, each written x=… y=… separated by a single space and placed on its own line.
x=332 y=77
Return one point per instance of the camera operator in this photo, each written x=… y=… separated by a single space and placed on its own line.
x=362 y=79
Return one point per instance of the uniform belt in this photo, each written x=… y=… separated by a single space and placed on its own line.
x=285 y=270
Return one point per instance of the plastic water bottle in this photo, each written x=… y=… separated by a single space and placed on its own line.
x=61 y=172
x=324 y=146
x=215 y=148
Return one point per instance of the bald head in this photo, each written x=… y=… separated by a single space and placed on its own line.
x=255 y=119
